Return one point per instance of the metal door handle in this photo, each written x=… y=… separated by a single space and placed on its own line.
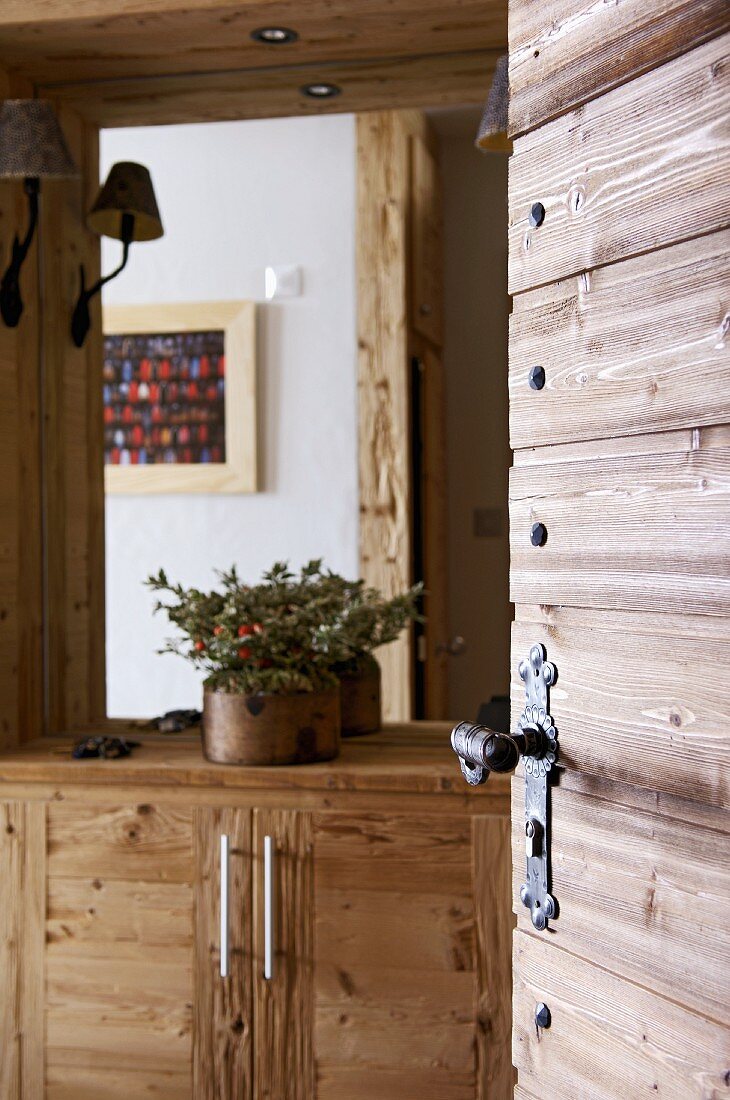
x=535 y=742
x=224 y=904
x=268 y=907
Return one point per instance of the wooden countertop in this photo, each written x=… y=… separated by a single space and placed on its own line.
x=413 y=757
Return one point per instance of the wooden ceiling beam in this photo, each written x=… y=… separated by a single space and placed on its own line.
x=69 y=41
x=431 y=81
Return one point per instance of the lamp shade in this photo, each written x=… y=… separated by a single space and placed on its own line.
x=31 y=142
x=128 y=190
x=492 y=134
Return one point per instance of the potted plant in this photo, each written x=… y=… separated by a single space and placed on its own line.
x=361 y=621
x=270 y=695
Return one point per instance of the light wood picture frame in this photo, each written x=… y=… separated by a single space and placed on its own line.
x=237 y=473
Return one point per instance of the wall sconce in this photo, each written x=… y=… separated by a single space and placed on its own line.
x=492 y=136
x=126 y=209
x=31 y=148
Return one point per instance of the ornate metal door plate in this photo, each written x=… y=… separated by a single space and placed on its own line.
x=535 y=742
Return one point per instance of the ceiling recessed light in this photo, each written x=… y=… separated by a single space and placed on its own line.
x=320 y=90
x=274 y=36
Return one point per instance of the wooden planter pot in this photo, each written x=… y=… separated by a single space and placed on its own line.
x=271 y=729
x=361 y=709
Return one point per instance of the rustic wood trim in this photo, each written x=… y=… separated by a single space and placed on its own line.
x=614 y=177
x=567 y=53
x=238 y=473
x=492 y=877
x=222 y=1007
x=384 y=380
x=438 y=80
x=22 y=948
x=283 y=1064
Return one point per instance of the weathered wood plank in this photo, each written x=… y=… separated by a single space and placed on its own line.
x=638 y=346
x=614 y=177
x=650 y=871
x=609 y=1039
x=493 y=928
x=22 y=940
x=565 y=53
x=125 y=1083
x=645 y=532
x=222 y=1007
x=283 y=1059
x=144 y=843
x=666 y=725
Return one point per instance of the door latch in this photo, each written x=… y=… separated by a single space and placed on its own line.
x=535 y=742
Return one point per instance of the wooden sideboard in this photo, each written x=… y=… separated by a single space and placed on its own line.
x=391 y=928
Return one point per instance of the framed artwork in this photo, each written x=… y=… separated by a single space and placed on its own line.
x=180 y=398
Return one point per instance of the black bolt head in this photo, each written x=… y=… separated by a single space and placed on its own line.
x=536 y=378
x=542 y=1015
x=538 y=534
x=537 y=215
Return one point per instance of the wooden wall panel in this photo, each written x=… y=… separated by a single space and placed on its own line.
x=615 y=176
x=74 y=447
x=283 y=1052
x=637 y=532
x=629 y=703
x=637 y=346
x=21 y=589
x=566 y=53
x=22 y=942
x=119 y=991
x=609 y=1039
x=663 y=879
x=222 y=1007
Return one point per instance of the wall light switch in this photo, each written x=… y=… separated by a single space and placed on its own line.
x=282 y=282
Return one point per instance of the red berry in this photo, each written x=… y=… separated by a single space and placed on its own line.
x=244 y=653
x=217 y=630
x=245 y=630
x=265 y=662
x=200 y=646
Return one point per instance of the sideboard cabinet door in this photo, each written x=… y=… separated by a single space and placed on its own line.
x=390 y=972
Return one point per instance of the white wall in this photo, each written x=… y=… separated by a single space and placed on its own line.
x=235 y=197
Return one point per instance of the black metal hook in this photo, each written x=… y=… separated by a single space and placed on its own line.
x=11 y=302
x=81 y=319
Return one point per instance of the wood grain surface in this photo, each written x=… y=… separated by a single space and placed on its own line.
x=55 y=42
x=637 y=346
x=615 y=176
x=119 y=988
x=222 y=1007
x=22 y=934
x=629 y=704
x=646 y=532
x=566 y=52
x=662 y=880
x=609 y=1039
x=283 y=1056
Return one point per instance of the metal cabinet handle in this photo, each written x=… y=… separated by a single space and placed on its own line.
x=224 y=904
x=268 y=907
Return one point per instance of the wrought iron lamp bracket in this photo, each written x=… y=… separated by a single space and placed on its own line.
x=535 y=742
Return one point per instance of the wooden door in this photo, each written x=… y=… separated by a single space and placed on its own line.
x=620 y=284
x=390 y=975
